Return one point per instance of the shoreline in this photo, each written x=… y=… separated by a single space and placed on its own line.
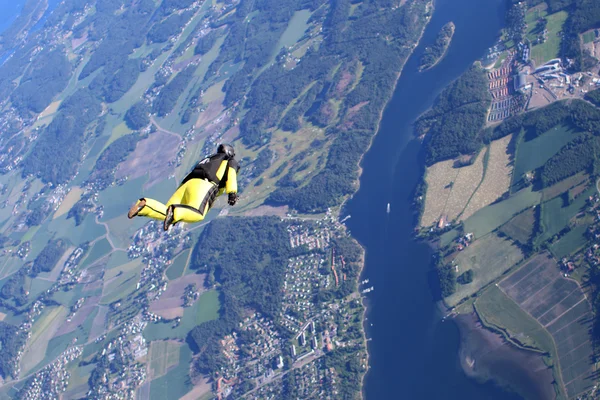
x=431 y=8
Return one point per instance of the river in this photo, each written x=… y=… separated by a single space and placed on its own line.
x=413 y=355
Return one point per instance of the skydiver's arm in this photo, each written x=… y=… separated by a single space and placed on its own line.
x=231 y=183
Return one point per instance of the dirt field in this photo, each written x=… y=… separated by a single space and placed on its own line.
x=151 y=156
x=497 y=178
x=99 y=324
x=170 y=304
x=465 y=185
x=439 y=178
x=449 y=189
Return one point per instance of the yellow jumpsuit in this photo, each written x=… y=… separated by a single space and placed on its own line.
x=193 y=199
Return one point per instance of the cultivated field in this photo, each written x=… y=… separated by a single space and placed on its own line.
x=533 y=153
x=499 y=311
x=488 y=258
x=491 y=217
x=151 y=156
x=170 y=303
x=464 y=186
x=564 y=185
x=205 y=309
x=520 y=227
x=43 y=330
x=556 y=214
x=439 y=178
x=163 y=355
x=560 y=306
x=496 y=180
x=570 y=243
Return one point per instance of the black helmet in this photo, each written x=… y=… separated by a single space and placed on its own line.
x=226 y=149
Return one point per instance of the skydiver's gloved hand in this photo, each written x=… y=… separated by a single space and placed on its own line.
x=233 y=198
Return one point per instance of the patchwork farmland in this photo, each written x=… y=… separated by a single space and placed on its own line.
x=561 y=307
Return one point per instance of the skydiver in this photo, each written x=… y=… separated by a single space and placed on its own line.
x=196 y=194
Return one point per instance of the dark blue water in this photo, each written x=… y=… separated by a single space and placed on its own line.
x=9 y=11
x=413 y=355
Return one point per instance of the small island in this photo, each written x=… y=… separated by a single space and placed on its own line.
x=433 y=54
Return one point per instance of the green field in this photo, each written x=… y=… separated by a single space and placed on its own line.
x=163 y=356
x=534 y=153
x=100 y=249
x=86 y=232
x=176 y=269
x=116 y=259
x=176 y=383
x=570 y=243
x=556 y=216
x=551 y=47
x=117 y=199
x=121 y=281
x=491 y=217
x=488 y=258
x=564 y=185
x=520 y=228
x=498 y=311
x=589 y=36
x=205 y=309
x=295 y=30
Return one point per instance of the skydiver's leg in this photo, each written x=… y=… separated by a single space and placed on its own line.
x=148 y=208
x=197 y=199
x=155 y=209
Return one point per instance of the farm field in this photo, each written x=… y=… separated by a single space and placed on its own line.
x=520 y=227
x=499 y=311
x=556 y=216
x=560 y=306
x=491 y=217
x=488 y=258
x=534 y=153
x=176 y=382
x=564 y=185
x=43 y=331
x=548 y=50
x=206 y=308
x=570 y=243
x=176 y=269
x=170 y=303
x=496 y=179
x=100 y=249
x=464 y=186
x=163 y=356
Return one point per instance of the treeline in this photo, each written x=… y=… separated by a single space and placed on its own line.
x=579 y=155
x=166 y=100
x=580 y=114
x=103 y=174
x=247 y=257
x=454 y=123
x=436 y=51
x=48 y=257
x=57 y=152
